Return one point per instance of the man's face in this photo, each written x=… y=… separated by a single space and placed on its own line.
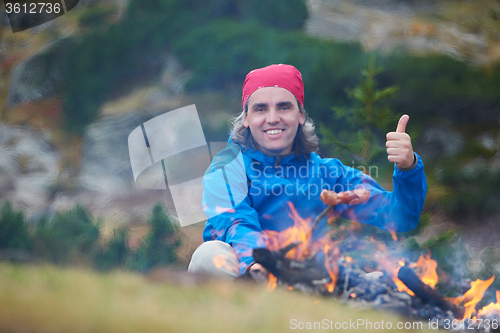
x=273 y=118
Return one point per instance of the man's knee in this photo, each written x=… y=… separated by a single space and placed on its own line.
x=215 y=258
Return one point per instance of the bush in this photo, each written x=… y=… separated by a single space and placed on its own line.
x=159 y=246
x=73 y=237
x=13 y=231
x=286 y=15
x=469 y=192
x=69 y=237
x=115 y=253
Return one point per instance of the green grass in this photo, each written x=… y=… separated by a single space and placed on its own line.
x=50 y=299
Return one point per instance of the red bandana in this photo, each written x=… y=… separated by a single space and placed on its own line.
x=282 y=76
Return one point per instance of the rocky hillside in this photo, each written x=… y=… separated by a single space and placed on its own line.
x=467 y=30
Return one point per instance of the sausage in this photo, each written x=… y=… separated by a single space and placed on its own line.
x=353 y=197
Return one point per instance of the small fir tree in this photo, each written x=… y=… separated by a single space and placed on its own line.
x=159 y=246
x=366 y=122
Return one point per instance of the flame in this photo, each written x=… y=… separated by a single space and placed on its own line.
x=272 y=282
x=491 y=309
x=472 y=296
x=388 y=264
x=353 y=295
x=426 y=270
x=348 y=259
x=394 y=236
x=300 y=232
x=332 y=253
x=392 y=269
x=401 y=286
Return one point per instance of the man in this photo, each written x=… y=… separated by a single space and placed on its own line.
x=270 y=162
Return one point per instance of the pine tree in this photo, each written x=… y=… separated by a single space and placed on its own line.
x=366 y=122
x=160 y=244
x=13 y=232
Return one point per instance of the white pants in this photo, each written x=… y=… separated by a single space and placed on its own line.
x=215 y=258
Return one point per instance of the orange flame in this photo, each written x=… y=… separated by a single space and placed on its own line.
x=272 y=282
x=491 y=309
x=300 y=232
x=297 y=233
x=472 y=296
x=426 y=270
x=392 y=269
x=332 y=253
x=388 y=264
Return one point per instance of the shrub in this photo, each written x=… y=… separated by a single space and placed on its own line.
x=115 y=253
x=69 y=237
x=13 y=231
x=159 y=246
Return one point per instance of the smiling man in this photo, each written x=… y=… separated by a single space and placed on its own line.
x=273 y=117
x=270 y=167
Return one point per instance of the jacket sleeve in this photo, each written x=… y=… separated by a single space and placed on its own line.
x=231 y=218
x=398 y=210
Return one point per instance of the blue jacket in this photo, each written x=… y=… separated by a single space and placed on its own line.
x=246 y=192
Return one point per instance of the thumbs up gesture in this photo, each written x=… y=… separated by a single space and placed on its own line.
x=399 y=149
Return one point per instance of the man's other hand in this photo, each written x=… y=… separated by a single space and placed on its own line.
x=258 y=273
x=399 y=148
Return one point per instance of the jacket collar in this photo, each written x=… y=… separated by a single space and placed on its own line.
x=268 y=159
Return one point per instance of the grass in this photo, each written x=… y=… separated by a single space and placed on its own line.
x=50 y=299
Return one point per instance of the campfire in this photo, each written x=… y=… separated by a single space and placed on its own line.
x=384 y=281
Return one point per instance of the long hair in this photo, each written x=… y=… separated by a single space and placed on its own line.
x=306 y=141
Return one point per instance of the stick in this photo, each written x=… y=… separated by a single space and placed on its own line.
x=426 y=293
x=318 y=219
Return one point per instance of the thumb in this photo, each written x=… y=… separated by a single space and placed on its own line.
x=402 y=123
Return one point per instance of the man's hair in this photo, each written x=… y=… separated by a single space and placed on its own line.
x=306 y=141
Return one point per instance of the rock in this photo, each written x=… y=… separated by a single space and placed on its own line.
x=38 y=76
x=29 y=167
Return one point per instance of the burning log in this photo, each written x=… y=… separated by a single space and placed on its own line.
x=426 y=293
x=307 y=271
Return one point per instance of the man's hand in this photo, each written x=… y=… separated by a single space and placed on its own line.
x=399 y=149
x=258 y=273
x=259 y=267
